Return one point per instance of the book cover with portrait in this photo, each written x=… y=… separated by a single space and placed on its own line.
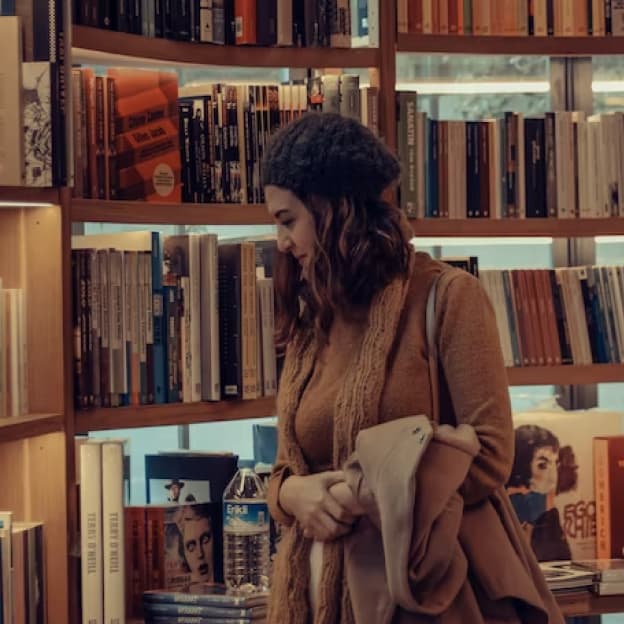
x=552 y=481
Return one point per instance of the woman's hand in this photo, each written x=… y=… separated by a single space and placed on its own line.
x=344 y=495
x=309 y=500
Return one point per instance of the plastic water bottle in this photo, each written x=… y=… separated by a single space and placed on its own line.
x=246 y=533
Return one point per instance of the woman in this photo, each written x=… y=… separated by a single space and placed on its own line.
x=351 y=313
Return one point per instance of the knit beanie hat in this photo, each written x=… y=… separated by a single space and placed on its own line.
x=330 y=156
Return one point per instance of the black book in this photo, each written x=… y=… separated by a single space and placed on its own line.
x=535 y=163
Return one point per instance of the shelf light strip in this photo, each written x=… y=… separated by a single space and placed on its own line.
x=495 y=87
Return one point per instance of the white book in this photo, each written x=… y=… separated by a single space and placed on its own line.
x=113 y=532
x=617 y=18
x=598 y=18
x=540 y=18
x=6 y=523
x=11 y=127
x=91 y=544
x=209 y=312
x=16 y=379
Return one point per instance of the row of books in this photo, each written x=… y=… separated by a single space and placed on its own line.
x=566 y=482
x=139 y=136
x=33 y=144
x=562 y=164
x=13 y=353
x=235 y=22
x=167 y=544
x=22 y=571
x=548 y=317
x=561 y=18
x=177 y=319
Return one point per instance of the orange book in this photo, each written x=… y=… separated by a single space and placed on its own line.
x=135 y=553
x=453 y=16
x=156 y=180
x=609 y=485
x=245 y=21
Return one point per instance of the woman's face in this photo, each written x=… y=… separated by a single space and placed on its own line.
x=197 y=536
x=296 y=233
x=544 y=470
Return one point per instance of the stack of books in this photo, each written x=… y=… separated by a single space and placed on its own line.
x=607 y=575
x=203 y=604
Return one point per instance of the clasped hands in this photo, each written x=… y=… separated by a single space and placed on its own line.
x=322 y=503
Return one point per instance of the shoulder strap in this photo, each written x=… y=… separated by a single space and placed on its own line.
x=432 y=350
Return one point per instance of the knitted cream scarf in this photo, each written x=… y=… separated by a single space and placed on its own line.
x=357 y=407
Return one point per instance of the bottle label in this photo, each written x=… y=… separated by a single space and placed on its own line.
x=245 y=517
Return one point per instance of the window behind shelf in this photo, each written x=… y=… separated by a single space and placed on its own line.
x=610 y=251
x=458 y=87
x=607 y=83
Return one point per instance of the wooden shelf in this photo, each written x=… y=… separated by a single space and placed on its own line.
x=29 y=426
x=173 y=214
x=190 y=413
x=557 y=228
x=579 y=604
x=565 y=375
x=172 y=414
x=29 y=195
x=94 y=45
x=542 y=46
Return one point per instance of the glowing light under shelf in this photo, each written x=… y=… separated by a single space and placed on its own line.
x=495 y=87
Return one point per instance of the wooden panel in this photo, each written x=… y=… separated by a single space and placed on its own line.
x=47 y=502
x=33 y=488
x=579 y=604
x=176 y=214
x=172 y=414
x=109 y=44
x=44 y=306
x=11 y=248
x=565 y=375
x=542 y=46
x=557 y=228
x=30 y=195
x=29 y=426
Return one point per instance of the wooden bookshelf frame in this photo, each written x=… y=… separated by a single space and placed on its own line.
x=31 y=444
x=132 y=417
x=100 y=211
x=30 y=426
x=96 y=211
x=504 y=46
x=95 y=45
x=584 y=604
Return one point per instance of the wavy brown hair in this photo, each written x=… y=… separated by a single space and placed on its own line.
x=361 y=246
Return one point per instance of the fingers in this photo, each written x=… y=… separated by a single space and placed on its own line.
x=337 y=511
x=331 y=477
x=343 y=494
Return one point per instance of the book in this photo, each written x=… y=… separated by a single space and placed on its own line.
x=208 y=595
x=37 y=122
x=605 y=570
x=552 y=482
x=11 y=139
x=6 y=523
x=564 y=576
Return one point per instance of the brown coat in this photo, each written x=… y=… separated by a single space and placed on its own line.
x=409 y=490
x=388 y=379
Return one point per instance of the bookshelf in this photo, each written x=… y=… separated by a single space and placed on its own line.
x=168 y=214
x=97 y=211
x=93 y=44
x=499 y=45
x=35 y=250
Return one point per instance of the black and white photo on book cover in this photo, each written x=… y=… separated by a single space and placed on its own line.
x=181 y=491
x=37 y=103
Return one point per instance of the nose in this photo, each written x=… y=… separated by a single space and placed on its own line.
x=284 y=244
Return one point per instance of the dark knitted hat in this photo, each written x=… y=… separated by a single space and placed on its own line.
x=327 y=155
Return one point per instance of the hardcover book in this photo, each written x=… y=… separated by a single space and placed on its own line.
x=552 y=482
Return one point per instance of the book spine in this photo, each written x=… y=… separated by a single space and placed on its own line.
x=245 y=22
x=92 y=567
x=113 y=532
